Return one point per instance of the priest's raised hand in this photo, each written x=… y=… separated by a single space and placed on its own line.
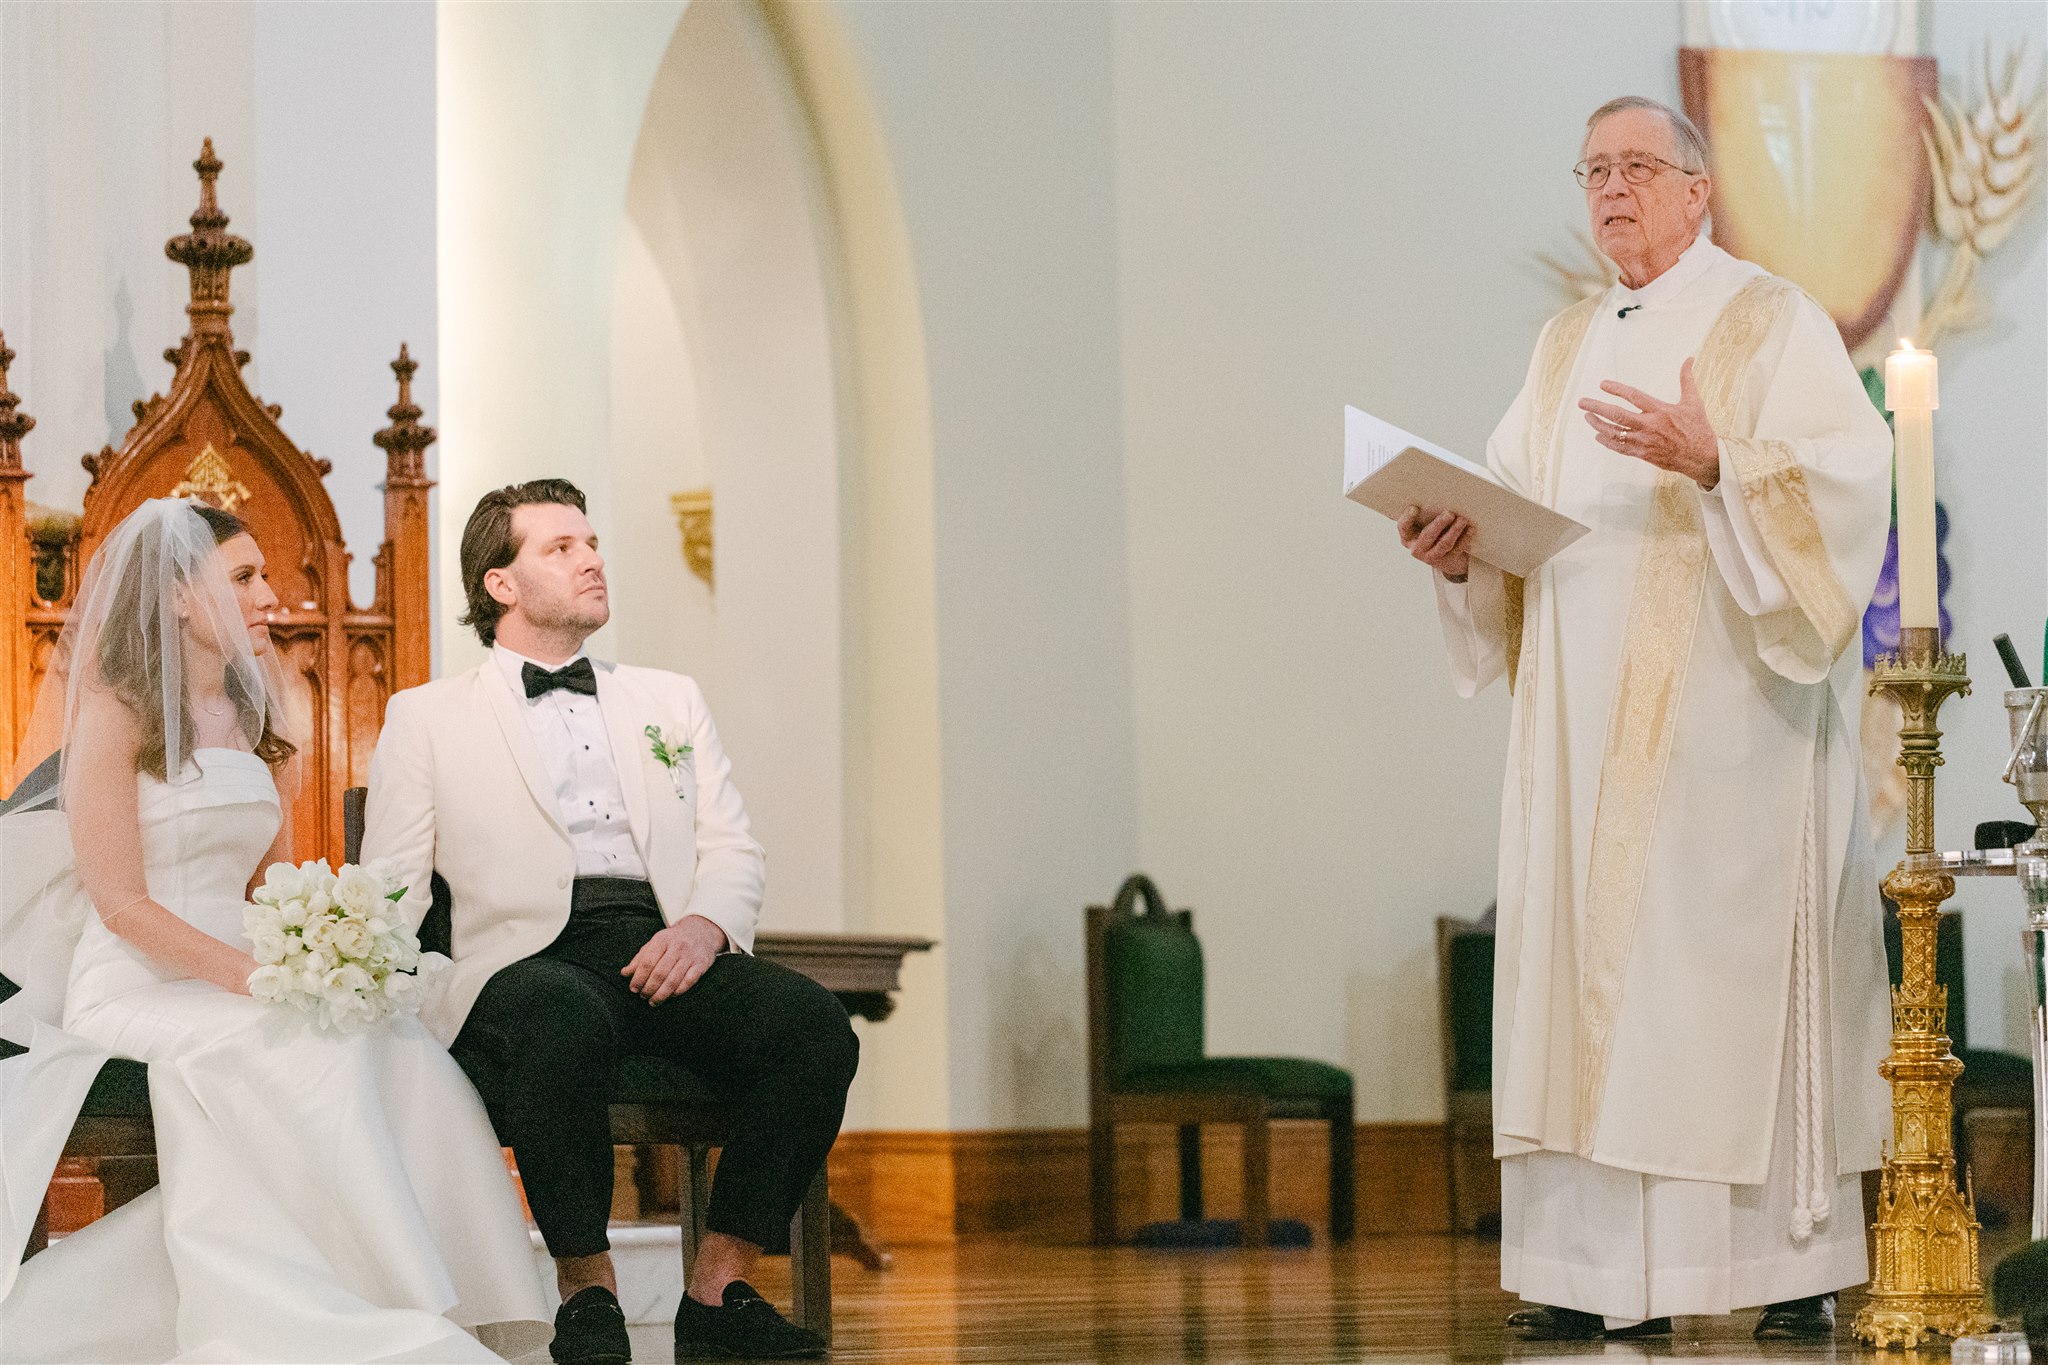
x=1675 y=436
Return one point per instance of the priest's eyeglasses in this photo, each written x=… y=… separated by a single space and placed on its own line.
x=1639 y=169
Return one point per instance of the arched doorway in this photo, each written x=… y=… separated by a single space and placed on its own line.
x=723 y=377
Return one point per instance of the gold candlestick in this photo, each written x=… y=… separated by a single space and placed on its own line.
x=1926 y=1281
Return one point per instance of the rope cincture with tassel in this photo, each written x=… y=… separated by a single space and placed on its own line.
x=1811 y=1204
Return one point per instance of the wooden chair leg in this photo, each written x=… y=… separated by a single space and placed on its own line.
x=1191 y=1173
x=1451 y=1172
x=1258 y=1171
x=1343 y=1158
x=694 y=1195
x=810 y=1259
x=1102 y=1183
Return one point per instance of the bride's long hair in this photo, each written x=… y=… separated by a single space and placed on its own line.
x=155 y=602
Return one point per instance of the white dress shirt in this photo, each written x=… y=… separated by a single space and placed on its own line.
x=568 y=730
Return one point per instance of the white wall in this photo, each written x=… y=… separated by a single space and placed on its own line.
x=998 y=119
x=344 y=164
x=324 y=116
x=722 y=197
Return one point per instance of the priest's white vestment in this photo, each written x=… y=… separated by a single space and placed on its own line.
x=1690 y=992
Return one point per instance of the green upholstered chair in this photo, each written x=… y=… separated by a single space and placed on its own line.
x=1464 y=978
x=1148 y=1063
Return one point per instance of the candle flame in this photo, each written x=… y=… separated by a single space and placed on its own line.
x=1906 y=344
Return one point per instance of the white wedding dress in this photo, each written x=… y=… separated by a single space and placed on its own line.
x=322 y=1197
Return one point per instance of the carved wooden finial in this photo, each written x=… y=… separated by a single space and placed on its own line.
x=14 y=423
x=209 y=251
x=405 y=441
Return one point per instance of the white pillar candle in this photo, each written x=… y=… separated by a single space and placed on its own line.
x=1912 y=393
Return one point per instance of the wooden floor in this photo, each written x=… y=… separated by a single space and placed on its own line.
x=1420 y=1298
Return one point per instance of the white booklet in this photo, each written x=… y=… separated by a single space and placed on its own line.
x=1391 y=470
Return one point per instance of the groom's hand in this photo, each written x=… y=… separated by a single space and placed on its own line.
x=673 y=959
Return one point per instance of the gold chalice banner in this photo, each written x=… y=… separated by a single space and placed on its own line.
x=1819 y=171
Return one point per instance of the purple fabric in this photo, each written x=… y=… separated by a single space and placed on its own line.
x=1881 y=618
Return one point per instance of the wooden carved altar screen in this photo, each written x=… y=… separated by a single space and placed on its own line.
x=211 y=438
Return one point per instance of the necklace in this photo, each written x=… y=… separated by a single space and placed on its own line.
x=212 y=712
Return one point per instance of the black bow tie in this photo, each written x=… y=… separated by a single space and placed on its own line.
x=576 y=677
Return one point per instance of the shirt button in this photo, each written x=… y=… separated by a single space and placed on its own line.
x=562 y=882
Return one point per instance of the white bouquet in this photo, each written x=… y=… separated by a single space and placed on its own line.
x=332 y=943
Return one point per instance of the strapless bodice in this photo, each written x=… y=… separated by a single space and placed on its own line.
x=203 y=837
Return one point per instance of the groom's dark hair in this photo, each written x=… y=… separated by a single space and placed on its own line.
x=489 y=542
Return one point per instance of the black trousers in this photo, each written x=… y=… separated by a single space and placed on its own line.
x=771 y=1043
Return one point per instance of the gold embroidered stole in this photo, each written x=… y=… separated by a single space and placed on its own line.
x=1656 y=647
x=1560 y=347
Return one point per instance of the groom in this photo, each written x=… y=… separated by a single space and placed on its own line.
x=603 y=890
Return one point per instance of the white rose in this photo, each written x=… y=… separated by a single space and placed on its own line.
x=292 y=914
x=358 y=891
x=349 y=979
x=267 y=983
x=267 y=944
x=283 y=882
x=351 y=939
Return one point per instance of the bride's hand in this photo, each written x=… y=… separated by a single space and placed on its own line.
x=234 y=971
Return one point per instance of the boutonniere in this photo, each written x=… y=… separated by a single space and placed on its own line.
x=669 y=755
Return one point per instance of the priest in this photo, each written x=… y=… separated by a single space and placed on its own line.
x=1690 y=1000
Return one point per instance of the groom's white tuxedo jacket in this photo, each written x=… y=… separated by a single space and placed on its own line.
x=458 y=787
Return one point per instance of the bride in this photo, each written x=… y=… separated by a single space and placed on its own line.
x=323 y=1197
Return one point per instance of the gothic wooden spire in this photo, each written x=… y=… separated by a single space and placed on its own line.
x=209 y=251
x=14 y=423
x=405 y=441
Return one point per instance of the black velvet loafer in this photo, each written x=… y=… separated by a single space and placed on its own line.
x=590 y=1329
x=745 y=1327
x=1811 y=1319
x=1542 y=1322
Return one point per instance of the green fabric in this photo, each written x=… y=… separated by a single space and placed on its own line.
x=120 y=1091
x=1471 y=988
x=1988 y=1074
x=1290 y=1078
x=2019 y=1287
x=1154 y=965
